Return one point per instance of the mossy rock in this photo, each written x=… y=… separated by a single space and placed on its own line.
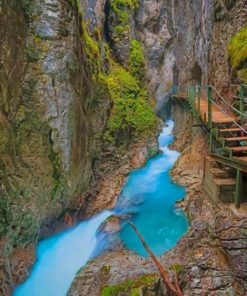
x=130 y=287
x=122 y=7
x=131 y=115
x=137 y=61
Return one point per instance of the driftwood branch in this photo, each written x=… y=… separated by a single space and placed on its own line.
x=164 y=274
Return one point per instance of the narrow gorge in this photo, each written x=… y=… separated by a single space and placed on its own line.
x=92 y=95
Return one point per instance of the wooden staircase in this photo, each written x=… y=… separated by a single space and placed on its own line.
x=233 y=141
x=227 y=131
x=220 y=182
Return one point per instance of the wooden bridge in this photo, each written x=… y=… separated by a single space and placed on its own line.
x=227 y=130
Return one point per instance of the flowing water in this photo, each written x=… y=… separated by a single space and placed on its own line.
x=151 y=195
x=148 y=197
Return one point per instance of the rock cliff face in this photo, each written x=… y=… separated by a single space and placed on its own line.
x=186 y=41
x=55 y=107
x=48 y=125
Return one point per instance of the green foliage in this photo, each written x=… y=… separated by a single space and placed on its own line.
x=237 y=50
x=105 y=269
x=91 y=45
x=243 y=74
x=132 y=287
x=121 y=30
x=135 y=292
x=244 y=231
x=137 y=61
x=131 y=114
x=92 y=51
x=121 y=8
x=178 y=268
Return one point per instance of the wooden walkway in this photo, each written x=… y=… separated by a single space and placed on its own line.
x=218 y=116
x=230 y=136
x=227 y=139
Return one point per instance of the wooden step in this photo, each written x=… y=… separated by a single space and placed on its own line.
x=224 y=182
x=241 y=158
x=229 y=130
x=235 y=139
x=219 y=173
x=218 y=119
x=237 y=149
x=210 y=159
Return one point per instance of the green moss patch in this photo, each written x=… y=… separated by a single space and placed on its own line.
x=129 y=287
x=131 y=114
x=121 y=8
x=237 y=50
x=137 y=61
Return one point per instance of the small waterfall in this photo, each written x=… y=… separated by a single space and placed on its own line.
x=60 y=257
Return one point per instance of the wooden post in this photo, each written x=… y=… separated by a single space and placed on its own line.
x=209 y=107
x=211 y=141
x=242 y=103
x=210 y=124
x=238 y=189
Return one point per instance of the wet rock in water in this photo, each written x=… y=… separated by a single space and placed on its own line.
x=111 y=225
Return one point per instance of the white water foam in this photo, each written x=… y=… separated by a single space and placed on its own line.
x=60 y=257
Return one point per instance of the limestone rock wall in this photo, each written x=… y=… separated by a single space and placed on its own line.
x=229 y=18
x=52 y=116
x=56 y=165
x=186 y=42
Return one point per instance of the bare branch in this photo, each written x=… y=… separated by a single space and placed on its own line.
x=164 y=274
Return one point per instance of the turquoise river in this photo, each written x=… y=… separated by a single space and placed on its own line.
x=148 y=198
